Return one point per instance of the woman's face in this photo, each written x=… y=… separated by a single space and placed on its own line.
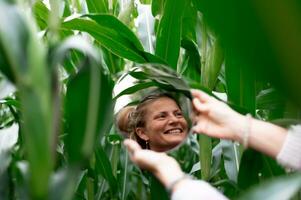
x=165 y=125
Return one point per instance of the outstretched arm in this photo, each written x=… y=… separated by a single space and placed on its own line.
x=216 y=119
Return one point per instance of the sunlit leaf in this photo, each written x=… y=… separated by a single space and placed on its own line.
x=113 y=23
x=41 y=13
x=96 y=6
x=112 y=39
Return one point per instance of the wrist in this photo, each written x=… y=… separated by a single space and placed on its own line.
x=244 y=129
x=172 y=186
x=238 y=126
x=168 y=173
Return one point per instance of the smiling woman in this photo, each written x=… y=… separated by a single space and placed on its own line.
x=156 y=123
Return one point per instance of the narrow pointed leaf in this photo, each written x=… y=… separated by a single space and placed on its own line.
x=169 y=32
x=135 y=88
x=103 y=167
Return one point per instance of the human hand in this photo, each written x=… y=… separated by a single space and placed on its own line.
x=164 y=167
x=215 y=118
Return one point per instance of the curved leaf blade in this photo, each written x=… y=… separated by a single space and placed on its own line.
x=88 y=111
x=109 y=38
x=111 y=22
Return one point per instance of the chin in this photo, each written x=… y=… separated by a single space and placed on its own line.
x=176 y=141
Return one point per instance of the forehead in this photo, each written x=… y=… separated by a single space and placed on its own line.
x=162 y=104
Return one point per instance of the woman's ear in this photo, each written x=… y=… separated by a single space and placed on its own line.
x=141 y=133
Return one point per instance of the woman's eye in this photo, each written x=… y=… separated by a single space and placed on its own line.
x=160 y=116
x=179 y=114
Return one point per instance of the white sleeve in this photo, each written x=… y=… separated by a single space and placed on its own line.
x=197 y=190
x=290 y=153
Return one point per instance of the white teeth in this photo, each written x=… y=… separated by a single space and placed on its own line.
x=174 y=131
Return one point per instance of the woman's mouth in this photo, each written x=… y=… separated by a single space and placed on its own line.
x=174 y=131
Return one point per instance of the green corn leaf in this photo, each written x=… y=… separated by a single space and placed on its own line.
x=283 y=187
x=271 y=168
x=240 y=81
x=157 y=190
x=209 y=74
x=10 y=102
x=189 y=22
x=115 y=64
x=60 y=53
x=27 y=66
x=205 y=155
x=272 y=102
x=153 y=58
x=103 y=167
x=12 y=28
x=157 y=7
x=135 y=88
x=109 y=38
x=231 y=156
x=5 y=160
x=96 y=6
x=113 y=35
x=64 y=182
x=192 y=69
x=246 y=177
x=256 y=37
x=211 y=69
x=41 y=14
x=146 y=1
x=198 y=5
x=91 y=89
x=113 y=23
x=169 y=32
x=269 y=99
x=164 y=77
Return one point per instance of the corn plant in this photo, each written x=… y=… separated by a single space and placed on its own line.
x=62 y=58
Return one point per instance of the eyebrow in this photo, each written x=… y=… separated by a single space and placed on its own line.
x=164 y=112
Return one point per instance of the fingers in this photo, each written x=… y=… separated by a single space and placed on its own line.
x=201 y=125
x=200 y=107
x=202 y=96
x=131 y=145
x=145 y=159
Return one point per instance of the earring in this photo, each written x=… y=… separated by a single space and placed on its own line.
x=147 y=144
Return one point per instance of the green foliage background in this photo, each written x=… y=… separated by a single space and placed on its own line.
x=65 y=56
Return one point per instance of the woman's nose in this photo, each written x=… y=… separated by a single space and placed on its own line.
x=173 y=119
